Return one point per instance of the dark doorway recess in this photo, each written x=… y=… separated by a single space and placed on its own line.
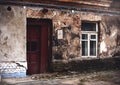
x=39 y=48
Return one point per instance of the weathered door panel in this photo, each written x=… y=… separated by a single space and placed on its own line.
x=44 y=49
x=33 y=49
x=37 y=46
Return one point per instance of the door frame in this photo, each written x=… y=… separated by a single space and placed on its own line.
x=47 y=22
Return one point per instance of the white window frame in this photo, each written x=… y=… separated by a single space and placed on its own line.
x=89 y=33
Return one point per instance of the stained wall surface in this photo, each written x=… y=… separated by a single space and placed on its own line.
x=69 y=48
x=12 y=40
x=67 y=51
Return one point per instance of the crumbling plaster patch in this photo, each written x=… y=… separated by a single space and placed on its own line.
x=12 y=67
x=70 y=46
x=109 y=35
x=91 y=17
x=67 y=22
x=12 y=33
x=12 y=41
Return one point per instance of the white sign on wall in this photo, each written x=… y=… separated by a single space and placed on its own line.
x=60 y=34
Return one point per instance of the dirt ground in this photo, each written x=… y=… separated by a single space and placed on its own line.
x=68 y=78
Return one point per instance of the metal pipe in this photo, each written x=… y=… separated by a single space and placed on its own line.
x=108 y=12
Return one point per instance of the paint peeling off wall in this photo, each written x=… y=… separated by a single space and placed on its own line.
x=91 y=17
x=103 y=47
x=110 y=33
x=69 y=22
x=13 y=69
x=70 y=25
x=12 y=33
x=12 y=41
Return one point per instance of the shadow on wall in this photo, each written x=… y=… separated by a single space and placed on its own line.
x=115 y=4
x=110 y=35
x=88 y=65
x=3 y=83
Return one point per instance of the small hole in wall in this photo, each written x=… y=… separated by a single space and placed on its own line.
x=44 y=11
x=9 y=8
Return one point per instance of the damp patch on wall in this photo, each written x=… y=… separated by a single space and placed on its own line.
x=12 y=33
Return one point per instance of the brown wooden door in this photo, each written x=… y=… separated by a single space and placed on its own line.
x=37 y=46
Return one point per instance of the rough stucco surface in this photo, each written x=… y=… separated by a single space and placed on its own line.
x=69 y=23
x=110 y=33
x=69 y=48
x=12 y=41
x=12 y=33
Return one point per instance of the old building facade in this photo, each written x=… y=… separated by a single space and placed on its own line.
x=40 y=36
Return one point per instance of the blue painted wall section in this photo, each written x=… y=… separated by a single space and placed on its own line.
x=13 y=75
x=13 y=69
x=12 y=41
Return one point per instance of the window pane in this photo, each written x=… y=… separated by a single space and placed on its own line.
x=84 y=36
x=92 y=48
x=84 y=48
x=93 y=36
x=87 y=26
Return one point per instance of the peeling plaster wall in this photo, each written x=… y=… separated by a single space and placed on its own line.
x=70 y=22
x=69 y=46
x=12 y=40
x=13 y=35
x=68 y=49
x=110 y=33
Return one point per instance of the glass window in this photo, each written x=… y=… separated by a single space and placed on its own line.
x=85 y=48
x=88 y=26
x=92 y=48
x=89 y=45
x=84 y=36
x=89 y=39
x=93 y=36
